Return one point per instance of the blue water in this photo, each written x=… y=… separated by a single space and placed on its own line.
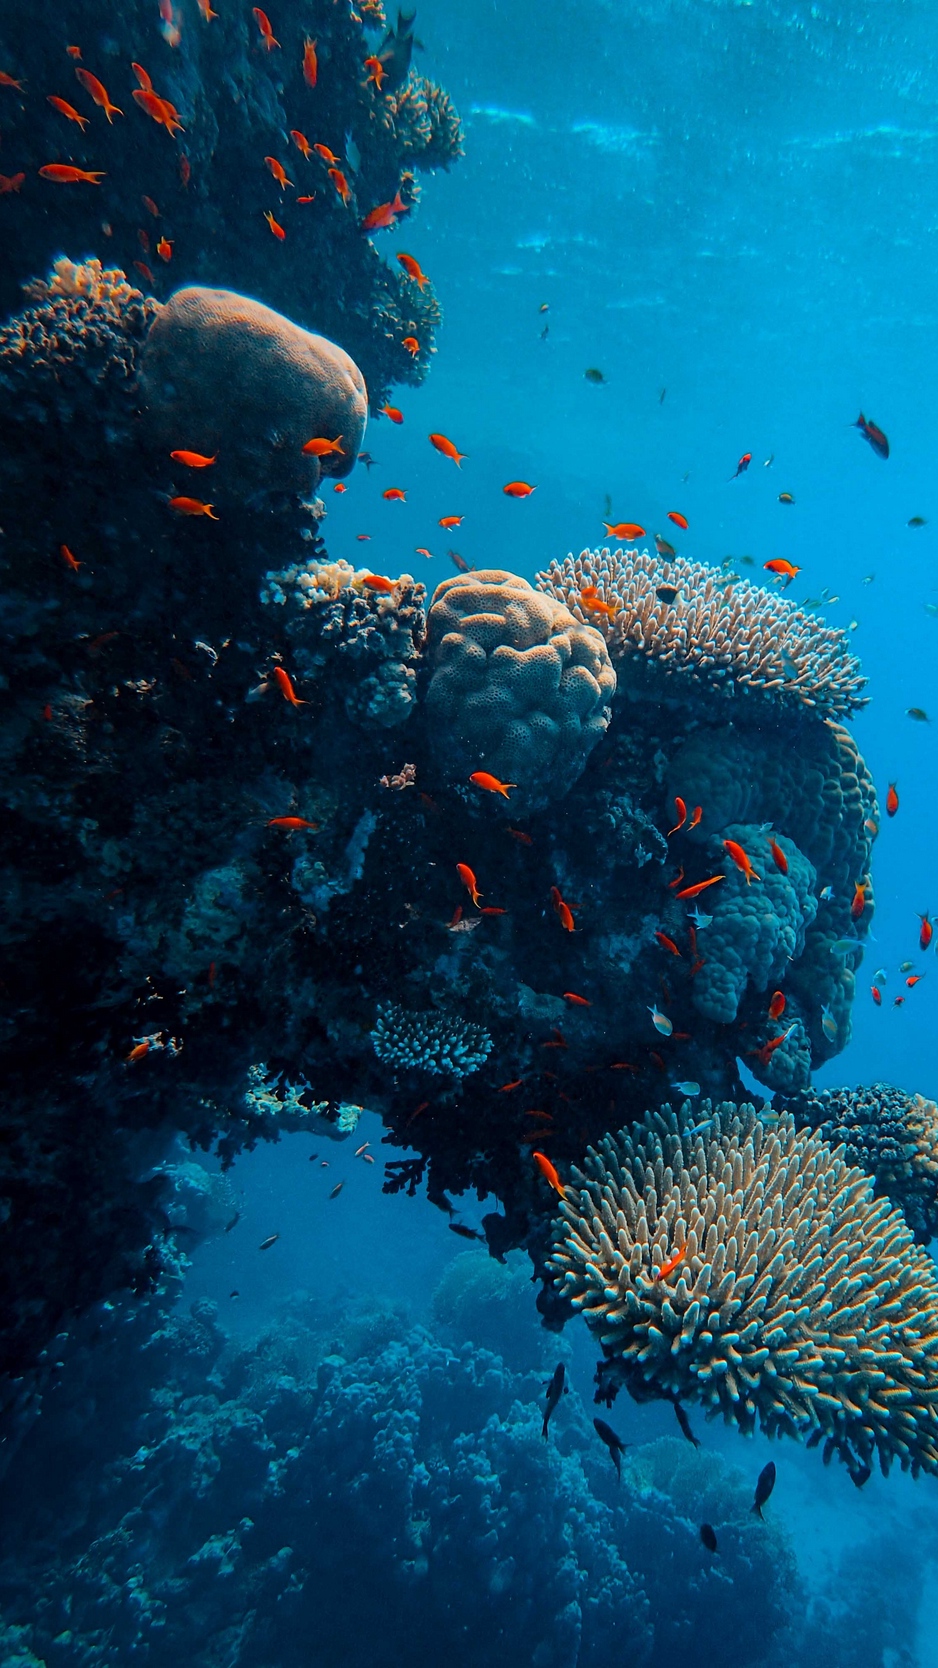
x=731 y=210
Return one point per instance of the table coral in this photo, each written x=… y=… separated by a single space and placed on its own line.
x=890 y=1134
x=715 y=628
x=518 y=687
x=798 y=1303
x=228 y=377
x=442 y=1044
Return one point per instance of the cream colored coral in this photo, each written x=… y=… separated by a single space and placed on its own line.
x=81 y=280
x=800 y=1303
x=715 y=627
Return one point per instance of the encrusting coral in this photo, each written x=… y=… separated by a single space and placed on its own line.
x=691 y=619
x=442 y=1044
x=518 y=686
x=750 y=1268
x=890 y=1134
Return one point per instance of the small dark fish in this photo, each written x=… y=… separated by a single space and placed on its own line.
x=919 y=714
x=661 y=394
x=663 y=547
x=742 y=465
x=544 y=307
x=555 y=1389
x=233 y=1223
x=367 y=459
x=614 y=1443
x=684 y=1423
x=764 y=1487
x=874 y=435
x=337 y=1190
x=785 y=498
x=917 y=521
x=461 y=1229
x=595 y=376
x=708 y=1536
x=234 y=1294
x=667 y=593
x=545 y=332
x=313 y=1157
x=458 y=561
x=266 y=1244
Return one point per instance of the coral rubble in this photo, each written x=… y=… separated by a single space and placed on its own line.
x=751 y=1269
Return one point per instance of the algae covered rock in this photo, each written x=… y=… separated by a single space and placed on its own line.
x=228 y=377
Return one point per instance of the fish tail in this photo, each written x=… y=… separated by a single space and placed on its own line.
x=544 y=1428
x=755 y=1507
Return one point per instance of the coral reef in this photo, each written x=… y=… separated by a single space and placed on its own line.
x=890 y=1134
x=750 y=1268
x=282 y=387
x=441 y=1044
x=518 y=687
x=691 y=620
x=426 y=123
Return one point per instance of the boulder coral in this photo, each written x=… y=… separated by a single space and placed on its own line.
x=750 y=1268
x=888 y=1133
x=228 y=377
x=518 y=687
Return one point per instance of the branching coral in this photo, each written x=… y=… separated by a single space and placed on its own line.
x=891 y=1135
x=798 y=1303
x=426 y=123
x=86 y=322
x=441 y=1044
x=518 y=687
x=713 y=628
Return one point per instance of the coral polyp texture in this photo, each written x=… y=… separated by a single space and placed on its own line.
x=888 y=1133
x=689 y=618
x=442 y=1044
x=229 y=378
x=518 y=687
x=797 y=1302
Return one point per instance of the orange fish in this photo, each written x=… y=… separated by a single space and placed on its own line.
x=144 y=241
x=549 y=1173
x=506 y=1088
x=137 y=1053
x=469 y=881
x=292 y=824
x=695 y=819
x=66 y=109
x=68 y=558
x=742 y=862
x=185 y=169
x=377 y=582
x=376 y=72
x=701 y=886
x=420 y=550
x=518 y=489
x=412 y=269
x=302 y=143
x=274 y=225
x=8 y=81
x=491 y=784
x=327 y=155
x=193 y=460
x=62 y=173
x=384 y=215
x=395 y=495
x=324 y=448
x=73 y=51
x=205 y=7
x=859 y=901
x=310 y=63
x=594 y=604
x=780 y=566
x=10 y=182
x=278 y=171
x=877 y=995
x=310 y=199
x=914 y=979
x=450 y=521
x=677 y=879
x=447 y=448
x=412 y=345
x=563 y=910
x=164 y=249
x=768 y=1048
x=263 y=24
x=777 y=1005
x=162 y=110
x=98 y=92
x=624 y=530
x=284 y=684
x=340 y=487
x=144 y=271
x=898 y=1001
x=671 y=1264
x=577 y=1001
x=667 y=943
x=926 y=932
x=522 y=838
x=778 y=857
x=681 y=812
x=678 y=519
x=341 y=184
x=392 y=412
x=892 y=800
x=143 y=77
x=192 y=506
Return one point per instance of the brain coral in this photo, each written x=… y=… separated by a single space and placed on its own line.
x=519 y=687
x=224 y=375
x=715 y=627
x=891 y=1135
x=442 y=1044
x=799 y=1303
